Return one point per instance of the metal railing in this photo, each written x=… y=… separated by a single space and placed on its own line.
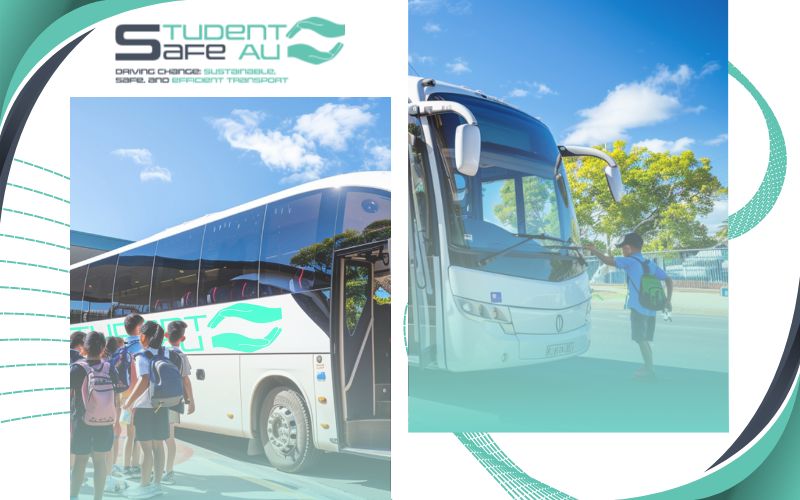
x=691 y=268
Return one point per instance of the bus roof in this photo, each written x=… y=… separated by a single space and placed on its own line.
x=374 y=179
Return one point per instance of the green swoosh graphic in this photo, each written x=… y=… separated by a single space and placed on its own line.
x=319 y=26
x=241 y=343
x=26 y=417
x=248 y=312
x=309 y=54
x=748 y=217
x=49 y=171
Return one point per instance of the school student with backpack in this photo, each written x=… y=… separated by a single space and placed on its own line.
x=114 y=484
x=158 y=388
x=645 y=294
x=76 y=346
x=176 y=332
x=92 y=414
x=123 y=364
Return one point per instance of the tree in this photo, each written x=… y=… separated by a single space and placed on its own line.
x=666 y=195
x=541 y=209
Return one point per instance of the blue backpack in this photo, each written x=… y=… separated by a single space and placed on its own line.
x=121 y=366
x=166 y=383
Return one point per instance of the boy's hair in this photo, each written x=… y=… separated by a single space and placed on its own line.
x=76 y=339
x=154 y=334
x=112 y=344
x=176 y=330
x=132 y=321
x=95 y=343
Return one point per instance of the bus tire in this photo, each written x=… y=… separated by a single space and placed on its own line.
x=284 y=427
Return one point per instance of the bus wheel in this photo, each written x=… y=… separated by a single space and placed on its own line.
x=284 y=426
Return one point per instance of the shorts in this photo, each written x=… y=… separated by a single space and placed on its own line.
x=151 y=425
x=174 y=417
x=643 y=327
x=88 y=439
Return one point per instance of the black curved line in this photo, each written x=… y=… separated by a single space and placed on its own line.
x=22 y=106
x=777 y=393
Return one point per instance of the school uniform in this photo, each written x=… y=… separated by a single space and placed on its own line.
x=86 y=439
x=150 y=425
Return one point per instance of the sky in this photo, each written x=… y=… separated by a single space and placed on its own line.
x=653 y=73
x=142 y=165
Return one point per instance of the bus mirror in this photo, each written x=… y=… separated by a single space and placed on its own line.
x=468 y=149
x=613 y=175
x=614 y=179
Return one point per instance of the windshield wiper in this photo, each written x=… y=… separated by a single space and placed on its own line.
x=528 y=237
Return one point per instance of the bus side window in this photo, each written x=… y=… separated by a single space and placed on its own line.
x=229 y=263
x=366 y=217
x=77 y=280
x=132 y=282
x=175 y=271
x=97 y=292
x=296 y=246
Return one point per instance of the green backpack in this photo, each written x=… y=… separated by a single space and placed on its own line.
x=651 y=293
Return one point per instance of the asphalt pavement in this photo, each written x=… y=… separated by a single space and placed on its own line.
x=215 y=466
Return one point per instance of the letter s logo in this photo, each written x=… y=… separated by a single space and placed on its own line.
x=155 y=46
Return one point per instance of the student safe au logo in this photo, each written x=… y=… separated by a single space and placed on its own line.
x=313 y=40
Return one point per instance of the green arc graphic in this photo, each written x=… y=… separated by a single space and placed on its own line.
x=322 y=27
x=748 y=217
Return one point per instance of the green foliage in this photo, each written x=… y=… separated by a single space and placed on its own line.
x=541 y=210
x=666 y=195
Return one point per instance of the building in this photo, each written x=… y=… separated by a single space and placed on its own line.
x=87 y=245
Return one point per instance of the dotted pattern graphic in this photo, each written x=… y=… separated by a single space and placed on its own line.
x=762 y=202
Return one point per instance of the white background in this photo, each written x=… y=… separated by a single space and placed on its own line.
x=763 y=274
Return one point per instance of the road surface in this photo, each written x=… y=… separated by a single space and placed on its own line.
x=214 y=466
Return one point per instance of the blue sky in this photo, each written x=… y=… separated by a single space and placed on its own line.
x=141 y=165
x=652 y=72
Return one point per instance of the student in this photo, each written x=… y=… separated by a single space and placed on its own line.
x=151 y=425
x=76 y=347
x=643 y=320
x=112 y=344
x=130 y=457
x=92 y=411
x=176 y=331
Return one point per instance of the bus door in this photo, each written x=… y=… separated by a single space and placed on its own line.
x=424 y=312
x=360 y=343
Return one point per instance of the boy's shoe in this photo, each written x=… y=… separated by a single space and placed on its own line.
x=115 y=485
x=168 y=478
x=133 y=472
x=149 y=491
x=117 y=471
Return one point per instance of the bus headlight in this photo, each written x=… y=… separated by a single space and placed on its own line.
x=490 y=312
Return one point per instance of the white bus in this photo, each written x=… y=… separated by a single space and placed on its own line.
x=286 y=298
x=496 y=278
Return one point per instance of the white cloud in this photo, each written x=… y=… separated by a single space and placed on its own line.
x=708 y=68
x=458 y=66
x=718 y=215
x=379 y=157
x=525 y=88
x=155 y=173
x=293 y=150
x=141 y=156
x=432 y=27
x=661 y=145
x=631 y=105
x=542 y=89
x=716 y=141
x=663 y=75
x=695 y=109
x=458 y=7
x=332 y=125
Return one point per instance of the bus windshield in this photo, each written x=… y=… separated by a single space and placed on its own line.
x=519 y=199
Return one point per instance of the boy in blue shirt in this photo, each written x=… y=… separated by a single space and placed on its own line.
x=643 y=320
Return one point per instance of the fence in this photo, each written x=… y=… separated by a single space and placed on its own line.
x=695 y=268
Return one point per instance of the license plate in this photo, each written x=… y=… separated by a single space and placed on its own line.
x=560 y=349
